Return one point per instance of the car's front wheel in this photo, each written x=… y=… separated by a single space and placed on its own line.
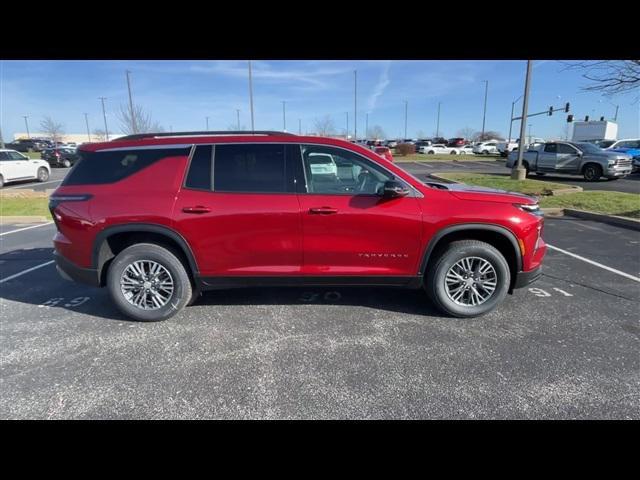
x=469 y=278
x=592 y=173
x=148 y=282
x=43 y=174
x=66 y=163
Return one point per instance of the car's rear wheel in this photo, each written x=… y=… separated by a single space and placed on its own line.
x=592 y=173
x=66 y=163
x=148 y=282
x=430 y=152
x=43 y=174
x=1 y=181
x=485 y=152
x=469 y=278
x=453 y=152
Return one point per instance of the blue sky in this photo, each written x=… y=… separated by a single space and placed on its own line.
x=180 y=94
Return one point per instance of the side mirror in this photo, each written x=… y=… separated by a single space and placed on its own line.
x=394 y=189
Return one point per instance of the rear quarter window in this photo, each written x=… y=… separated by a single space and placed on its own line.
x=112 y=166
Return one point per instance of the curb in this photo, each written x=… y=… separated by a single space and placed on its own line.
x=23 y=219
x=601 y=217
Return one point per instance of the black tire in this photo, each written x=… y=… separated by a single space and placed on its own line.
x=540 y=174
x=453 y=152
x=435 y=285
x=182 y=293
x=42 y=174
x=526 y=168
x=485 y=152
x=1 y=181
x=592 y=172
x=430 y=152
x=66 y=163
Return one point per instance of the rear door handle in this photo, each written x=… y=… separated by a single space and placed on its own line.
x=323 y=211
x=196 y=209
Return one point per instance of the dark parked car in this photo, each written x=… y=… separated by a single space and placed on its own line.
x=26 y=145
x=456 y=142
x=59 y=157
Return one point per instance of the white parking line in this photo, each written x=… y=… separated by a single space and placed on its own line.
x=19 y=274
x=618 y=272
x=33 y=184
x=26 y=228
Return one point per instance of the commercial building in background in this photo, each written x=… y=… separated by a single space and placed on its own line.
x=588 y=131
x=67 y=137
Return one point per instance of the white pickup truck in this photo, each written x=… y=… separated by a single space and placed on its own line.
x=505 y=148
x=574 y=158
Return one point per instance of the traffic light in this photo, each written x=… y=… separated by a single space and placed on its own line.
x=566 y=108
x=551 y=110
x=586 y=118
x=569 y=118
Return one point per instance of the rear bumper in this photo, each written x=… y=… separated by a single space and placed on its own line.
x=70 y=271
x=525 y=278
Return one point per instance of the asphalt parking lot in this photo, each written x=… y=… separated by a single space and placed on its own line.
x=567 y=347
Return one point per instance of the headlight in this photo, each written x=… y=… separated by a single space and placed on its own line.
x=532 y=209
x=612 y=162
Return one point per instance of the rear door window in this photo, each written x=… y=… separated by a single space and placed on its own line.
x=551 y=148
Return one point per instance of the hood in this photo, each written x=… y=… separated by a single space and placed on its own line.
x=634 y=152
x=483 y=194
x=613 y=154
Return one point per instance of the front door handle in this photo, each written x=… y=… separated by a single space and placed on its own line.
x=196 y=209
x=323 y=211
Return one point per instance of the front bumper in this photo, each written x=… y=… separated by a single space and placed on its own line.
x=526 y=278
x=616 y=172
x=70 y=271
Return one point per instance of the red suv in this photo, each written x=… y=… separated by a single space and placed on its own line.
x=159 y=218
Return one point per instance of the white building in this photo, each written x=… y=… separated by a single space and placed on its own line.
x=67 y=137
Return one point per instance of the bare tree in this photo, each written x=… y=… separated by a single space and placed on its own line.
x=611 y=77
x=137 y=120
x=324 y=126
x=52 y=128
x=421 y=134
x=488 y=135
x=466 y=133
x=99 y=135
x=376 y=132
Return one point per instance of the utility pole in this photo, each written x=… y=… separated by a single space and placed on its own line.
x=1 y=139
x=26 y=123
x=366 y=127
x=238 y=113
x=131 y=112
x=347 y=135
x=615 y=118
x=438 y=122
x=529 y=133
x=206 y=119
x=513 y=104
x=355 y=105
x=299 y=126
x=251 y=96
x=406 y=109
x=484 y=115
x=104 y=115
x=519 y=173
x=86 y=120
x=284 y=116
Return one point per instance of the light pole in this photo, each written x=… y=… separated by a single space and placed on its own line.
x=26 y=123
x=347 y=135
x=438 y=122
x=529 y=133
x=86 y=120
x=513 y=104
x=406 y=109
x=484 y=114
x=238 y=114
x=251 y=96
x=519 y=173
x=355 y=105
x=206 y=119
x=299 y=126
x=104 y=116
x=131 y=112
x=284 y=116
x=1 y=139
x=366 y=127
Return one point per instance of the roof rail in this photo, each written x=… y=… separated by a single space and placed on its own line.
x=200 y=133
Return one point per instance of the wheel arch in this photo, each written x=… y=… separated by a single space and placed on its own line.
x=500 y=237
x=112 y=240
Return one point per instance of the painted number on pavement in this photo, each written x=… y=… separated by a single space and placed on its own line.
x=539 y=292
x=74 y=302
